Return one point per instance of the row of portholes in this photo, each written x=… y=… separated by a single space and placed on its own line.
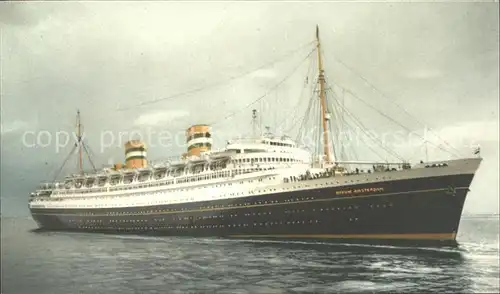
x=371 y=206
x=185 y=209
x=88 y=221
x=209 y=226
x=187 y=218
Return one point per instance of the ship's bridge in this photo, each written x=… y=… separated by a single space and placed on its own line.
x=261 y=144
x=265 y=152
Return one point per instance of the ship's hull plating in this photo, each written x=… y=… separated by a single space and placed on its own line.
x=417 y=209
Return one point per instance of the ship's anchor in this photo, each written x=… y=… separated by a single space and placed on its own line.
x=452 y=190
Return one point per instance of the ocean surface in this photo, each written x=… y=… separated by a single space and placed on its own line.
x=53 y=263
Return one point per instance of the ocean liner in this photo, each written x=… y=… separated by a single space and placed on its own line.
x=262 y=186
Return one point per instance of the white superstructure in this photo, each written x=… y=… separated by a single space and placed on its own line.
x=245 y=164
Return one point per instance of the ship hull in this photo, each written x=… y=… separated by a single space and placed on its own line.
x=423 y=209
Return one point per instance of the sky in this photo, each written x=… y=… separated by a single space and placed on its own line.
x=426 y=65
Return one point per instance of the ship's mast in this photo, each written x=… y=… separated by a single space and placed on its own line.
x=322 y=95
x=79 y=141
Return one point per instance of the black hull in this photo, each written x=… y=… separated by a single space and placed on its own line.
x=425 y=209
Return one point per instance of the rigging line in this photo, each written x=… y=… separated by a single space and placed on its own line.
x=312 y=131
x=332 y=127
x=333 y=148
x=360 y=125
x=305 y=117
x=399 y=106
x=401 y=125
x=300 y=96
x=219 y=82
x=363 y=128
x=321 y=151
x=417 y=150
x=315 y=132
x=294 y=123
x=389 y=118
x=269 y=91
x=319 y=130
x=389 y=151
x=343 y=135
x=64 y=163
x=301 y=132
x=352 y=150
x=334 y=113
x=298 y=121
x=366 y=143
x=88 y=156
x=342 y=120
x=91 y=152
x=343 y=149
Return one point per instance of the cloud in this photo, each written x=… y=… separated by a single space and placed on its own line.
x=467 y=134
x=424 y=73
x=264 y=73
x=160 y=117
x=12 y=127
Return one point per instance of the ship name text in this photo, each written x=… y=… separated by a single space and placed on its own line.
x=359 y=191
